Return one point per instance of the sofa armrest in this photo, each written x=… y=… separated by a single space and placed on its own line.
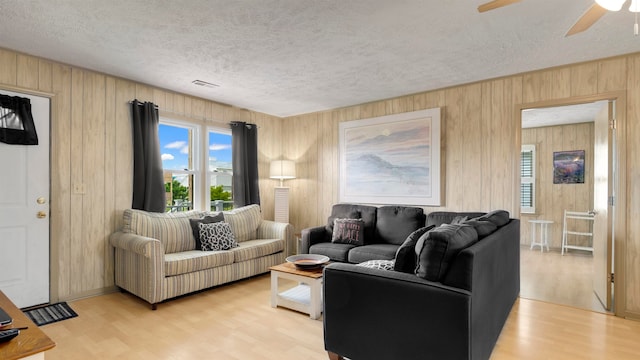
x=139 y=265
x=311 y=236
x=276 y=230
x=135 y=243
x=379 y=314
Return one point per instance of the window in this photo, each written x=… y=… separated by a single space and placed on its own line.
x=190 y=168
x=219 y=169
x=528 y=179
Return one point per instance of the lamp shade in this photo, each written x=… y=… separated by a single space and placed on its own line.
x=611 y=5
x=283 y=169
x=635 y=6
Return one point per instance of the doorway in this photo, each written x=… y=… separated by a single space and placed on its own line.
x=24 y=212
x=569 y=149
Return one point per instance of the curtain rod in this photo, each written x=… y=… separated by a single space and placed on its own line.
x=204 y=118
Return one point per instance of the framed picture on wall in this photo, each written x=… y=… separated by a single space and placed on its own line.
x=568 y=167
x=391 y=159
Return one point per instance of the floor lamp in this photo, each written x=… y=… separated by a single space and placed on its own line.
x=282 y=170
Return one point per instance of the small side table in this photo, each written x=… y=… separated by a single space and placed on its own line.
x=306 y=297
x=543 y=226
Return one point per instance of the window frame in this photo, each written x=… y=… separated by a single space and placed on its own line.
x=528 y=179
x=208 y=173
x=199 y=151
x=194 y=144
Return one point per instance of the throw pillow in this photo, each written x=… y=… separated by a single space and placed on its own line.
x=437 y=249
x=406 y=253
x=483 y=227
x=459 y=219
x=217 y=236
x=498 y=217
x=195 y=228
x=348 y=231
x=353 y=214
x=378 y=264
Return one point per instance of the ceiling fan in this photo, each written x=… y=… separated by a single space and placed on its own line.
x=593 y=13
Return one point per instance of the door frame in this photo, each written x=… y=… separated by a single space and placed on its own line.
x=621 y=213
x=53 y=243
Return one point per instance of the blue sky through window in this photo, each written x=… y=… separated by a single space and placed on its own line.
x=174 y=147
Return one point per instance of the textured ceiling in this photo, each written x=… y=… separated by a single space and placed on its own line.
x=287 y=57
x=562 y=115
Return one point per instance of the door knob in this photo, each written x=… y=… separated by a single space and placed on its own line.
x=42 y=214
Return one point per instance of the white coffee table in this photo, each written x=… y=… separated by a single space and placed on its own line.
x=306 y=297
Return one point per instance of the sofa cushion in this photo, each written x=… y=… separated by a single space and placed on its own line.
x=217 y=236
x=173 y=230
x=253 y=249
x=436 y=249
x=498 y=217
x=347 y=211
x=406 y=253
x=195 y=260
x=244 y=221
x=348 y=231
x=372 y=252
x=378 y=264
x=335 y=251
x=395 y=223
x=205 y=220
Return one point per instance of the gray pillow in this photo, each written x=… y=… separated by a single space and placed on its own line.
x=205 y=220
x=406 y=253
x=437 y=248
x=348 y=231
x=498 y=217
x=483 y=227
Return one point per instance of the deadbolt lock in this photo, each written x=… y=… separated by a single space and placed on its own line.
x=41 y=200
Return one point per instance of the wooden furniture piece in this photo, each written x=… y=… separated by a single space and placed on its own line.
x=576 y=215
x=306 y=297
x=31 y=343
x=543 y=229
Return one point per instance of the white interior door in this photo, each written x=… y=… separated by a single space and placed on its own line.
x=24 y=213
x=603 y=190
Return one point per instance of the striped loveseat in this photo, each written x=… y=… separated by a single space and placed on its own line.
x=155 y=256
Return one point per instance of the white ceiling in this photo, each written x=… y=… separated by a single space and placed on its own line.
x=287 y=57
x=561 y=115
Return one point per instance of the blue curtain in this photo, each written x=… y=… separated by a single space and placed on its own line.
x=148 y=184
x=244 y=144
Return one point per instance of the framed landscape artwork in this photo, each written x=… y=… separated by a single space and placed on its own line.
x=391 y=159
x=568 y=167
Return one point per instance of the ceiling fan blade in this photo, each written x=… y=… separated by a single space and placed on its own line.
x=495 y=4
x=593 y=14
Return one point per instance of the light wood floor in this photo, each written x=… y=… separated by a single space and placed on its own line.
x=551 y=277
x=236 y=322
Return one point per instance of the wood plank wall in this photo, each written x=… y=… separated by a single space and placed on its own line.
x=552 y=199
x=91 y=161
x=481 y=148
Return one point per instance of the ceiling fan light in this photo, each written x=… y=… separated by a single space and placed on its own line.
x=635 y=6
x=611 y=5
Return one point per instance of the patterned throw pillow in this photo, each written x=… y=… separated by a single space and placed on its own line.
x=195 y=226
x=348 y=231
x=217 y=236
x=379 y=264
